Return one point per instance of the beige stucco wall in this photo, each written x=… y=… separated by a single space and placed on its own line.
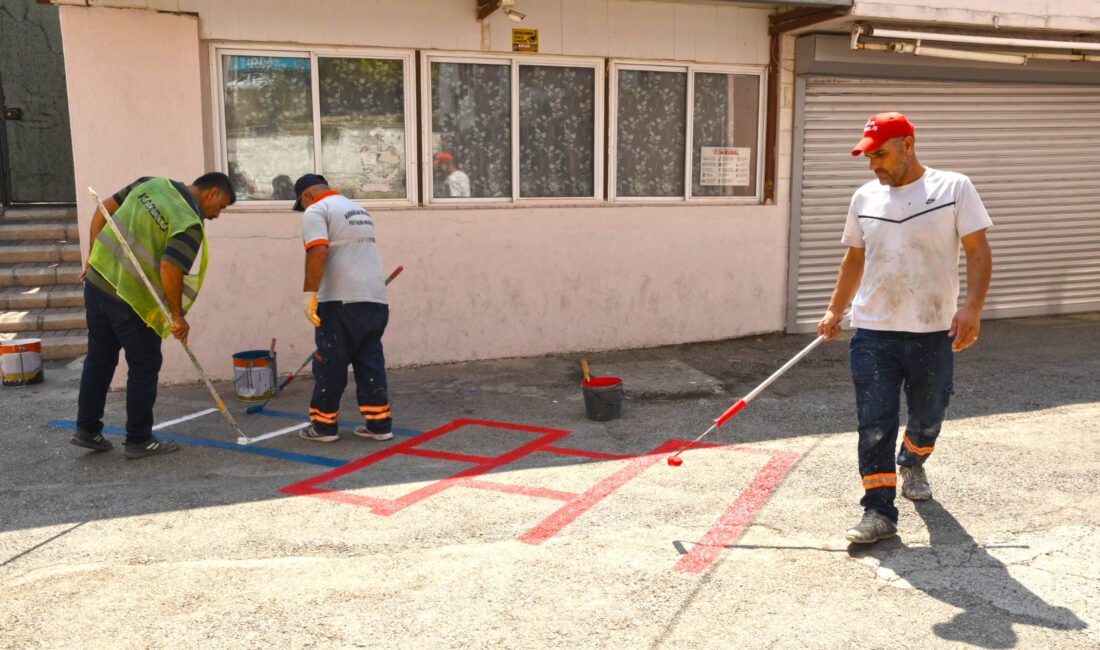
x=478 y=282
x=134 y=111
x=1075 y=16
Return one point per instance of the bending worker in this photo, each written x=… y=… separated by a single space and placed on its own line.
x=903 y=233
x=161 y=221
x=345 y=299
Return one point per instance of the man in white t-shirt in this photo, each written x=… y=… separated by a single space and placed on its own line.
x=455 y=182
x=345 y=299
x=900 y=274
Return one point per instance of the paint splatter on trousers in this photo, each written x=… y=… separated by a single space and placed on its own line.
x=350 y=334
x=884 y=364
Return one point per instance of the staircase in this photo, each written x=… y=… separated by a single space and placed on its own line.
x=41 y=296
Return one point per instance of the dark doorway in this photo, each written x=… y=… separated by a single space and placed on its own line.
x=36 y=159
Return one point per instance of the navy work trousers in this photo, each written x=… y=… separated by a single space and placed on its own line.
x=112 y=326
x=883 y=364
x=350 y=333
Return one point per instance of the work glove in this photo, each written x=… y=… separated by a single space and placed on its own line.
x=310 y=305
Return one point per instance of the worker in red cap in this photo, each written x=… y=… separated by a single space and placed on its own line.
x=900 y=274
x=455 y=181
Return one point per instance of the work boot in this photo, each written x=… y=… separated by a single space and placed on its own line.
x=311 y=433
x=88 y=440
x=363 y=432
x=151 y=447
x=915 y=485
x=873 y=527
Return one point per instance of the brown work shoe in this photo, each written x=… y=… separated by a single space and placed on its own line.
x=873 y=527
x=915 y=485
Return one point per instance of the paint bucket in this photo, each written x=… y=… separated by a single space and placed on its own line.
x=21 y=362
x=254 y=374
x=603 y=398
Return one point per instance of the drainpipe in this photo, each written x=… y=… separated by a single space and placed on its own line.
x=780 y=24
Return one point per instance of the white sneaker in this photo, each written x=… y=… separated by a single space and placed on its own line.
x=363 y=432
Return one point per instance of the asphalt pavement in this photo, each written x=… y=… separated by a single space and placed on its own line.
x=500 y=516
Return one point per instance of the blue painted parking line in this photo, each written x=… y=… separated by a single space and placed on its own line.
x=219 y=444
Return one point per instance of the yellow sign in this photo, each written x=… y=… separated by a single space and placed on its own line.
x=525 y=40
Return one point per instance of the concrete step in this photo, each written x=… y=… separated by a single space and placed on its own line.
x=39 y=213
x=46 y=230
x=40 y=275
x=49 y=319
x=23 y=298
x=59 y=344
x=15 y=252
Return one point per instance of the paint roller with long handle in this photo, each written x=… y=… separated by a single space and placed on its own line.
x=156 y=296
x=675 y=459
x=256 y=408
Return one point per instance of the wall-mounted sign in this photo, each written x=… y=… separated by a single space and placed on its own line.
x=727 y=166
x=525 y=40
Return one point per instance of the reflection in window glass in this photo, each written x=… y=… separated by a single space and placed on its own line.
x=652 y=116
x=472 y=126
x=363 y=126
x=724 y=136
x=268 y=123
x=557 y=147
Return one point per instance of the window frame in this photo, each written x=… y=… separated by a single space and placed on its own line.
x=514 y=61
x=691 y=69
x=217 y=84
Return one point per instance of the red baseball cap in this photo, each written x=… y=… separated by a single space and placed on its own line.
x=881 y=128
x=441 y=158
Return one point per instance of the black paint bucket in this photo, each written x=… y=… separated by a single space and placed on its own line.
x=603 y=398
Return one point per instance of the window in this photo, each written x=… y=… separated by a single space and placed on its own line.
x=658 y=110
x=341 y=114
x=507 y=130
x=494 y=128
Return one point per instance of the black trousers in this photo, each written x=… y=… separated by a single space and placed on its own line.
x=113 y=326
x=350 y=334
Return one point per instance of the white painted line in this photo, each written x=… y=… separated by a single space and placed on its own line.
x=265 y=436
x=183 y=419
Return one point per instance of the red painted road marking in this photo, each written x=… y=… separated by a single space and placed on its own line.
x=725 y=531
x=543 y=493
x=480 y=465
x=595 y=455
x=729 y=526
x=553 y=524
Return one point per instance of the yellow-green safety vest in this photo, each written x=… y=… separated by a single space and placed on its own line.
x=153 y=213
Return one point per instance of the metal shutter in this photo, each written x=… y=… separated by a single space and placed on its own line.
x=1032 y=151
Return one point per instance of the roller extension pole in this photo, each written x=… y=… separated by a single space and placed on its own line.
x=256 y=408
x=160 y=303
x=675 y=459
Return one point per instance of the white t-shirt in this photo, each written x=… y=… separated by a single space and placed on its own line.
x=353 y=268
x=457 y=183
x=910 y=236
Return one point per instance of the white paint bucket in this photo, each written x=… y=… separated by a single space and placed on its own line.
x=254 y=374
x=21 y=362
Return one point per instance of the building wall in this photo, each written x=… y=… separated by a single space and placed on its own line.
x=478 y=282
x=1075 y=16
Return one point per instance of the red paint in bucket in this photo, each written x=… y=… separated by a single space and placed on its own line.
x=603 y=398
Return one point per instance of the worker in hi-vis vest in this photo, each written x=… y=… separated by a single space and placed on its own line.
x=162 y=223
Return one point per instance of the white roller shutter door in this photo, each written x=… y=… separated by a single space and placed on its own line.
x=1033 y=152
